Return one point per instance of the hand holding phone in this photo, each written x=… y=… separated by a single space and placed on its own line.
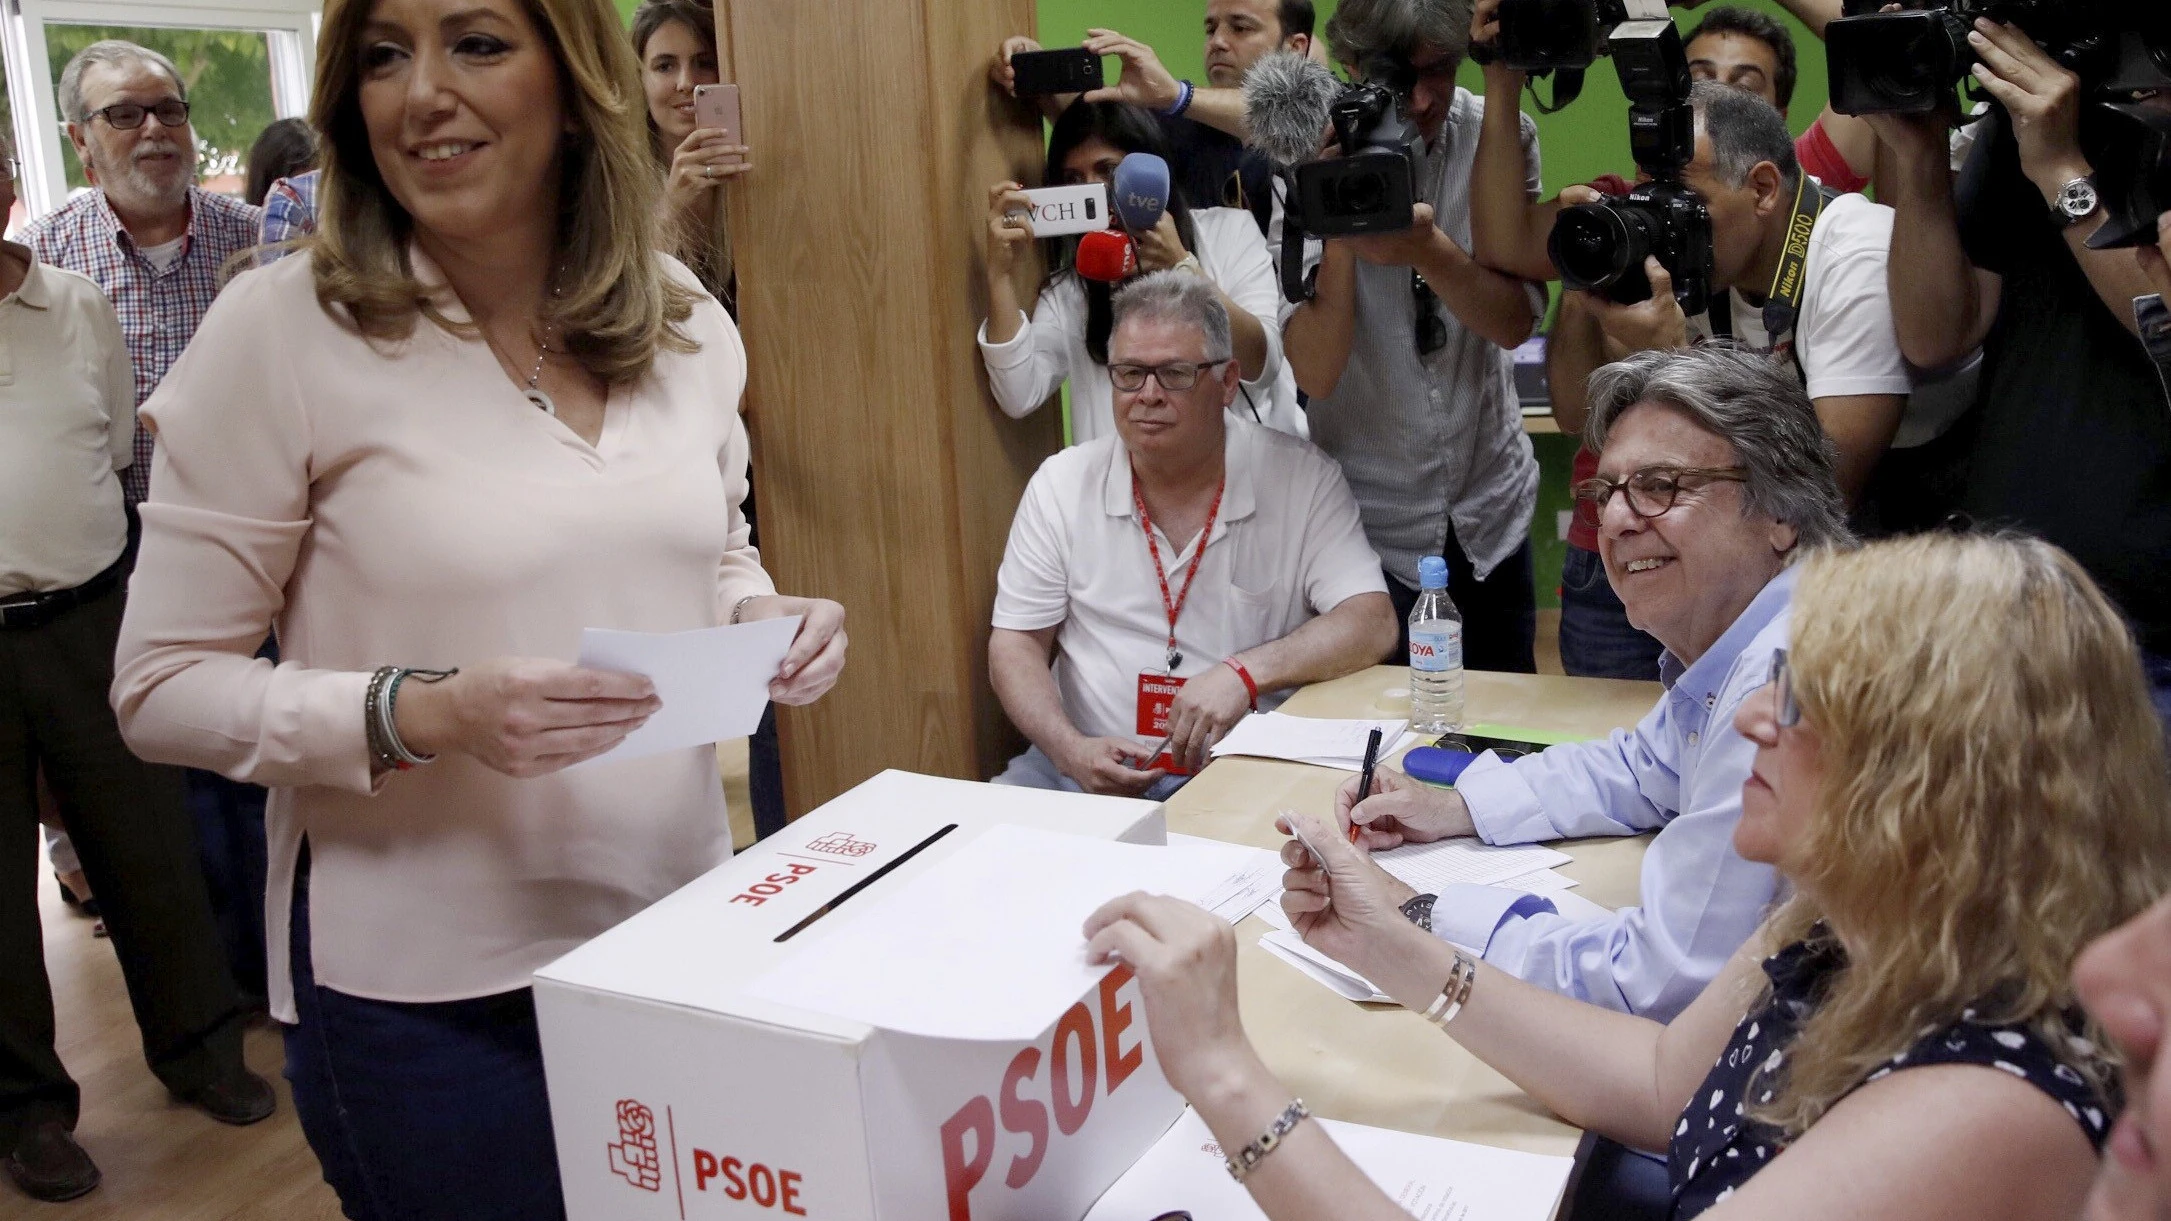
x=716 y=108
x=1061 y=210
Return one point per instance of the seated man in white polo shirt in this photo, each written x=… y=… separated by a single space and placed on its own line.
x=1115 y=625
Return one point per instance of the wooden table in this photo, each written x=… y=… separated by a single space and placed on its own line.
x=1383 y=1065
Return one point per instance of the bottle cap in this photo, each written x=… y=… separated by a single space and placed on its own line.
x=1432 y=573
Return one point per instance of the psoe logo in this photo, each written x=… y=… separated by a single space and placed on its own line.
x=633 y=1155
x=841 y=843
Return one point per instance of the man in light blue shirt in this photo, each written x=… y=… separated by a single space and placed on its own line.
x=1713 y=477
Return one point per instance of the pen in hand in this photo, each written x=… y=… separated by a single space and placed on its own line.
x=1364 y=780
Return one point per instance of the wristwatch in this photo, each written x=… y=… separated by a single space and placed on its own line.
x=2076 y=201
x=1418 y=911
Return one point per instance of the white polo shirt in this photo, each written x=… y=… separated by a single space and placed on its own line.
x=1286 y=546
x=67 y=424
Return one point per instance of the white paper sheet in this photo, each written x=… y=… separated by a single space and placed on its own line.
x=1254 y=876
x=1539 y=881
x=987 y=944
x=714 y=682
x=1286 y=945
x=1303 y=739
x=1431 y=1178
x=1434 y=867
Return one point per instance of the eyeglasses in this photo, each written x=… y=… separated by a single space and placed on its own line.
x=1790 y=713
x=1132 y=378
x=127 y=116
x=1431 y=328
x=1652 y=489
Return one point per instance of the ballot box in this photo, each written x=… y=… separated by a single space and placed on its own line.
x=679 y=1090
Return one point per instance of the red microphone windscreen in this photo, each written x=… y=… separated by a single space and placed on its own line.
x=1107 y=255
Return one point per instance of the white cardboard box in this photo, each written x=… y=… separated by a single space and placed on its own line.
x=676 y=1095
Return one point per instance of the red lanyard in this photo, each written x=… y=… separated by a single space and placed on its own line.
x=1174 y=606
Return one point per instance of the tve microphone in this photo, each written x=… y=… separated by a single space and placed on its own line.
x=1286 y=101
x=1141 y=191
x=1107 y=255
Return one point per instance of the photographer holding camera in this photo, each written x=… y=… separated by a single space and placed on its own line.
x=1204 y=124
x=1819 y=302
x=2069 y=438
x=1066 y=336
x=1403 y=347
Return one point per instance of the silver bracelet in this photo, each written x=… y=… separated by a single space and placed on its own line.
x=1248 y=1158
x=379 y=706
x=739 y=608
x=1454 y=992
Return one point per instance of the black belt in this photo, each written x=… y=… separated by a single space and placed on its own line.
x=39 y=609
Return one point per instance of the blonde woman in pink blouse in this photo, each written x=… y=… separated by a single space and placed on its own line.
x=478 y=414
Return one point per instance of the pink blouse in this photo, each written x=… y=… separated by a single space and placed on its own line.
x=403 y=504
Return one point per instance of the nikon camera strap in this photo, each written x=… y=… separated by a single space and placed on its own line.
x=1782 y=304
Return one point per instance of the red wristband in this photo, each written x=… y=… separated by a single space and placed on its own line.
x=1244 y=674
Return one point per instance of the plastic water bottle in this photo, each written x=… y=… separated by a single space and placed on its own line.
x=1435 y=652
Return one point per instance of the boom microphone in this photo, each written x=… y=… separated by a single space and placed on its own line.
x=1286 y=104
x=1107 y=255
x=1140 y=190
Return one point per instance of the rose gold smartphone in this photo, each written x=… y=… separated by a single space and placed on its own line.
x=717 y=106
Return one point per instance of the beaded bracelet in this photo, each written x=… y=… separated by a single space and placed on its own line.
x=1249 y=1157
x=1454 y=992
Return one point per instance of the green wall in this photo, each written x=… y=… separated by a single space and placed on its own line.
x=1587 y=139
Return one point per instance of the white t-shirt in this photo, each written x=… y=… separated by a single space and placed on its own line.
x=162 y=256
x=1051 y=347
x=1844 y=330
x=1286 y=546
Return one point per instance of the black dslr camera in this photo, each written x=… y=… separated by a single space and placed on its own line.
x=1371 y=187
x=1601 y=246
x=1910 y=62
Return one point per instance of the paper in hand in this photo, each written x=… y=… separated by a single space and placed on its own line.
x=714 y=682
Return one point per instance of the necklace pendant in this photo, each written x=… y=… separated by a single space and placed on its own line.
x=542 y=401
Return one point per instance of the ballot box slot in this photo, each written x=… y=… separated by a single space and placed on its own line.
x=861 y=885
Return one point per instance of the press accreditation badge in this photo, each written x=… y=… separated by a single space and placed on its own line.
x=1156 y=692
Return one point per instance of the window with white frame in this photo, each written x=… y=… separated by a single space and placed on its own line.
x=244 y=65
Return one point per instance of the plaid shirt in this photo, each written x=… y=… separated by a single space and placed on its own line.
x=290 y=211
x=159 y=310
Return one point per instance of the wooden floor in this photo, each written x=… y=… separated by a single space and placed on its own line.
x=164 y=1161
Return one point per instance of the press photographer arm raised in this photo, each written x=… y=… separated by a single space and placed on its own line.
x=1508 y=228
x=1143 y=82
x=1943 y=304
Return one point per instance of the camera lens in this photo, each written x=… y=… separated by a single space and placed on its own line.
x=1596 y=246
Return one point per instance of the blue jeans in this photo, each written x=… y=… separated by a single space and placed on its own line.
x=1596 y=638
x=421 y=1112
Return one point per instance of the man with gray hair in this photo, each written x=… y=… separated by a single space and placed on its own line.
x=1162 y=582
x=145 y=233
x=1819 y=304
x=1713 y=477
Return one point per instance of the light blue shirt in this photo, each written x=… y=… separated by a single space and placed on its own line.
x=1679 y=770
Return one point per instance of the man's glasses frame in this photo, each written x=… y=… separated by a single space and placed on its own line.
x=1174 y=378
x=128 y=116
x=1652 y=490
x=1431 y=328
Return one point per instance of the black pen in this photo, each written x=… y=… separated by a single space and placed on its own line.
x=1364 y=779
